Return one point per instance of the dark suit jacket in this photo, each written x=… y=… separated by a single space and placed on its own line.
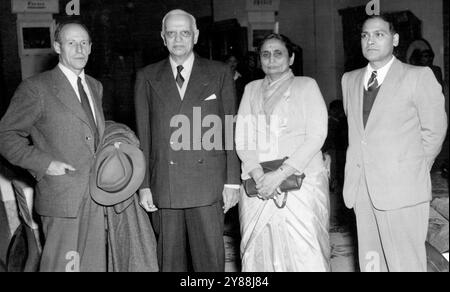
x=184 y=178
x=46 y=109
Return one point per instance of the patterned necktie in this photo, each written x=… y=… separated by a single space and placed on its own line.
x=179 y=79
x=87 y=110
x=373 y=82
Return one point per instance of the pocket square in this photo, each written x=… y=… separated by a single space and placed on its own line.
x=212 y=97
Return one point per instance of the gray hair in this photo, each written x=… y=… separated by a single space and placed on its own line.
x=179 y=12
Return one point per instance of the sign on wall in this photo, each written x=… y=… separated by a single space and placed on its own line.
x=263 y=5
x=35 y=6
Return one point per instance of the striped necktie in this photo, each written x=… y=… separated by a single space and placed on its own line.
x=373 y=82
x=179 y=79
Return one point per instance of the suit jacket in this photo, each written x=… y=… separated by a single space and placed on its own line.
x=394 y=153
x=45 y=109
x=185 y=178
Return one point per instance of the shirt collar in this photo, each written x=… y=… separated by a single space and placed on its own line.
x=187 y=66
x=381 y=73
x=73 y=78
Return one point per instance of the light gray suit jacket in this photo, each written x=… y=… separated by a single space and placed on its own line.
x=46 y=110
x=403 y=136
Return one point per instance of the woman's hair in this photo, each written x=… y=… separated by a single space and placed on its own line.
x=284 y=39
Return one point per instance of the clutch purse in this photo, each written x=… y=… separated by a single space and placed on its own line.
x=293 y=182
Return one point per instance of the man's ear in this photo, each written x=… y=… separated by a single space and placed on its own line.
x=164 y=39
x=396 y=39
x=57 y=47
x=196 y=34
x=292 y=59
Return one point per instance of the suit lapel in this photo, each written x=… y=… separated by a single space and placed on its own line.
x=97 y=106
x=387 y=91
x=198 y=81
x=165 y=86
x=66 y=94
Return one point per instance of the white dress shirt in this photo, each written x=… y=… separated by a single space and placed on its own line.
x=73 y=79
x=381 y=73
x=186 y=73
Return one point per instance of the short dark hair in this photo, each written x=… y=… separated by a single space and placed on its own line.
x=282 y=38
x=386 y=18
x=61 y=26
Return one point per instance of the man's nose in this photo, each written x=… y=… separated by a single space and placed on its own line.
x=79 y=48
x=178 y=37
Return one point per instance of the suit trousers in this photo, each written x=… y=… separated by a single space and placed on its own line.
x=190 y=239
x=75 y=244
x=390 y=241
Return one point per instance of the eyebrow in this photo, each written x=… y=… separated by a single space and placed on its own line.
x=378 y=30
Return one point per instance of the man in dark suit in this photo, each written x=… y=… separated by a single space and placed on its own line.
x=188 y=187
x=52 y=128
x=396 y=123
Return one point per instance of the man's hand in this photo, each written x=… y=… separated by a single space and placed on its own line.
x=146 y=200
x=57 y=168
x=230 y=198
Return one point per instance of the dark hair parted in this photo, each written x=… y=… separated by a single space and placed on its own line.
x=284 y=39
x=386 y=18
x=61 y=26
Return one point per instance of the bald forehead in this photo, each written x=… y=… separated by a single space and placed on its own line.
x=73 y=28
x=178 y=19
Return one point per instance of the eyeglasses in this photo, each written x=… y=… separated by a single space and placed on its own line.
x=173 y=34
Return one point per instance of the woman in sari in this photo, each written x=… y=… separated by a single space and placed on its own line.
x=283 y=116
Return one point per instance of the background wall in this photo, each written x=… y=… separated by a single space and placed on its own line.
x=316 y=26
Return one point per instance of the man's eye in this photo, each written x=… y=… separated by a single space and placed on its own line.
x=380 y=34
x=84 y=43
x=265 y=55
x=170 y=34
x=186 y=33
x=363 y=35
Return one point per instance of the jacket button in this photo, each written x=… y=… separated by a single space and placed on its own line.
x=172 y=163
x=88 y=138
x=200 y=161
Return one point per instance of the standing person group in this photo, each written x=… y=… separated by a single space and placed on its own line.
x=396 y=127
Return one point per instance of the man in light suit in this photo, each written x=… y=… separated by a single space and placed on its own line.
x=52 y=128
x=188 y=189
x=397 y=124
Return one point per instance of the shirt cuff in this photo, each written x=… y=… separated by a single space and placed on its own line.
x=235 y=187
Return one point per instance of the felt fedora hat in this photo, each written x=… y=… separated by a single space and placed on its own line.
x=117 y=173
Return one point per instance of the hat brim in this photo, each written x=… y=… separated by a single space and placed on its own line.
x=113 y=198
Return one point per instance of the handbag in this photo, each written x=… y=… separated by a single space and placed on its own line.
x=292 y=183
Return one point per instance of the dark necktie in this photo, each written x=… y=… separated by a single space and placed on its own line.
x=87 y=110
x=373 y=82
x=179 y=79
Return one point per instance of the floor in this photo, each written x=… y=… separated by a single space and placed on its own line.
x=342 y=236
x=342 y=232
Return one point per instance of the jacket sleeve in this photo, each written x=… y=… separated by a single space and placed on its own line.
x=141 y=102
x=315 y=112
x=430 y=104
x=16 y=126
x=228 y=94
